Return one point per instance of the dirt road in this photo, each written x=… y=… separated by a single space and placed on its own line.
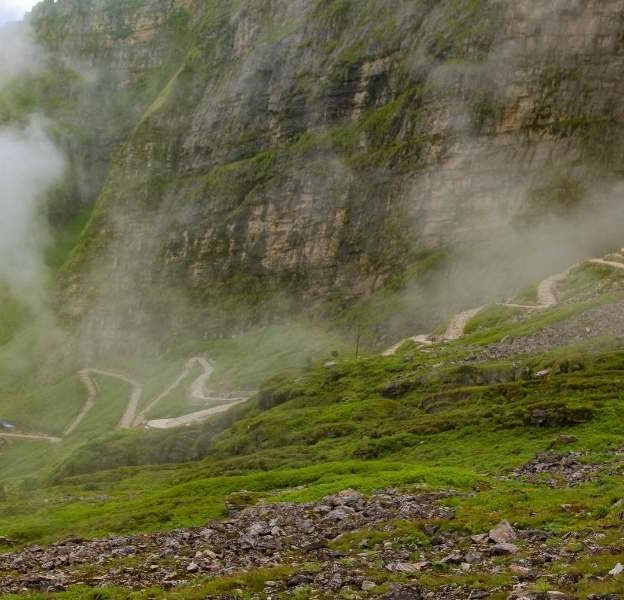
x=546 y=298
x=607 y=263
x=31 y=436
x=196 y=388
x=192 y=418
x=133 y=401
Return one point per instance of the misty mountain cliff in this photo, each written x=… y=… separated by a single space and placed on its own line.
x=277 y=153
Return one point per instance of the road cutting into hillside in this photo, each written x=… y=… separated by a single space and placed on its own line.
x=547 y=297
x=197 y=393
x=91 y=388
x=197 y=387
x=31 y=436
x=607 y=263
x=132 y=418
x=192 y=418
x=458 y=324
x=90 y=385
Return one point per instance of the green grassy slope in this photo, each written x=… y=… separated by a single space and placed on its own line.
x=432 y=418
x=449 y=427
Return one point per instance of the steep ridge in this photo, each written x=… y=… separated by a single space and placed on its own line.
x=315 y=142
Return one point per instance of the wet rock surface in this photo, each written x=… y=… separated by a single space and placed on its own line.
x=312 y=541
x=563 y=470
x=602 y=321
x=263 y=536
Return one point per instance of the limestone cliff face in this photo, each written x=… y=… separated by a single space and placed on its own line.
x=313 y=146
x=108 y=61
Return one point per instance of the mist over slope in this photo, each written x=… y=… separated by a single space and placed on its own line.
x=308 y=153
x=312 y=299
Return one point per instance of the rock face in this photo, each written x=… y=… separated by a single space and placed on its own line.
x=305 y=149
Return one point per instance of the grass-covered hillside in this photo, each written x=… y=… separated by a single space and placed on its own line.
x=520 y=421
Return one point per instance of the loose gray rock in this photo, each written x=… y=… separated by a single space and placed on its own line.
x=502 y=549
x=503 y=533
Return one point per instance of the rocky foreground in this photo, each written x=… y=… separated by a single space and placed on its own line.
x=306 y=539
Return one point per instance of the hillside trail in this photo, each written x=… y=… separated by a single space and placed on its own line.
x=197 y=387
x=130 y=418
x=197 y=393
x=458 y=323
x=607 y=263
x=31 y=436
x=192 y=418
x=547 y=297
x=91 y=388
x=89 y=383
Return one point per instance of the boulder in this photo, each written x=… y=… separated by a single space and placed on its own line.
x=503 y=533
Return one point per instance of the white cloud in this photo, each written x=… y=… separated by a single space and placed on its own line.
x=29 y=164
x=11 y=10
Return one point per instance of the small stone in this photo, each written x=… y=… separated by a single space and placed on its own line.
x=367 y=586
x=338 y=514
x=480 y=538
x=519 y=570
x=299 y=579
x=503 y=533
x=305 y=525
x=504 y=548
x=192 y=568
x=466 y=567
x=349 y=498
x=258 y=528
x=454 y=557
x=472 y=557
x=617 y=570
x=403 y=567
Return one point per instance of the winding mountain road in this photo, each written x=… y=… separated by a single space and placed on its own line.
x=91 y=387
x=547 y=297
x=31 y=436
x=197 y=393
x=192 y=418
x=458 y=323
x=418 y=339
x=607 y=263
x=197 y=387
